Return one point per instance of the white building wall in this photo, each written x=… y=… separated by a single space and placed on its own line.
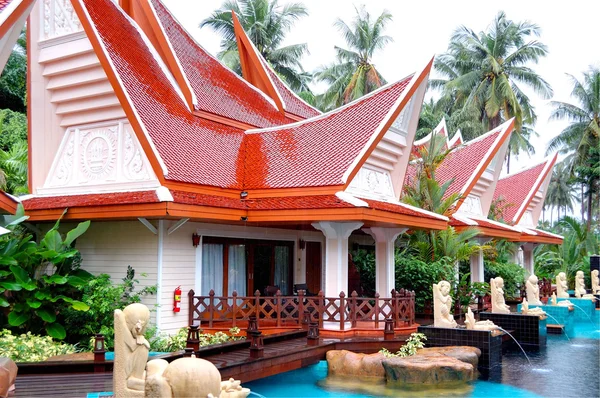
x=109 y=247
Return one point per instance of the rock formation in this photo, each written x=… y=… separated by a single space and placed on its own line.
x=348 y=363
x=442 y=306
x=533 y=290
x=433 y=368
x=497 y=291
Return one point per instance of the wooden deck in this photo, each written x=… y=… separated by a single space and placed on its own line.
x=279 y=356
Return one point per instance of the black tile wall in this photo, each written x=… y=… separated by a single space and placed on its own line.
x=490 y=346
x=529 y=330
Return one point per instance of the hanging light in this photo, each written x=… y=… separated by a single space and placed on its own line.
x=195 y=239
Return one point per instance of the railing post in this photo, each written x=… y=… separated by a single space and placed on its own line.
x=396 y=301
x=234 y=311
x=191 y=307
x=257 y=304
x=278 y=307
x=300 y=306
x=376 y=310
x=211 y=307
x=412 y=307
x=353 y=310
x=342 y=310
x=321 y=308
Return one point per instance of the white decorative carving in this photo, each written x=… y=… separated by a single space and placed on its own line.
x=400 y=125
x=372 y=182
x=527 y=219
x=59 y=18
x=471 y=205
x=100 y=157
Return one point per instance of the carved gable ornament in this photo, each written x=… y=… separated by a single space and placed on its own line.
x=102 y=156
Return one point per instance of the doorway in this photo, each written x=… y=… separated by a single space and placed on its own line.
x=313 y=266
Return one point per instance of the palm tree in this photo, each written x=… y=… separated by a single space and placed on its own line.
x=561 y=192
x=580 y=140
x=484 y=71
x=353 y=74
x=266 y=23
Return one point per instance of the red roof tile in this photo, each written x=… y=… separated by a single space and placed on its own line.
x=218 y=90
x=489 y=224
x=194 y=150
x=317 y=152
x=100 y=199
x=198 y=199
x=513 y=190
x=4 y=3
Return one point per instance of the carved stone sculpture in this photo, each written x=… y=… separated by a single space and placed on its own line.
x=553 y=299
x=442 y=306
x=497 y=289
x=533 y=290
x=561 y=286
x=131 y=350
x=580 y=291
x=525 y=310
x=563 y=303
x=481 y=325
x=184 y=377
x=595 y=282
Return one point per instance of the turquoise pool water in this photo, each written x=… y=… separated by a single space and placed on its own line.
x=565 y=368
x=110 y=355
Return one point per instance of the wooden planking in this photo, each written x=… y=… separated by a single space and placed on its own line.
x=67 y=385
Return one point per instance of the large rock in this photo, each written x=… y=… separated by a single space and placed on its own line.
x=8 y=375
x=463 y=353
x=348 y=363
x=432 y=368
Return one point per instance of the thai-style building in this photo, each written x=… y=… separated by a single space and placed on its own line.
x=198 y=178
x=204 y=180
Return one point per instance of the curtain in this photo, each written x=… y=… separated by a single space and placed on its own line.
x=282 y=269
x=212 y=269
x=237 y=270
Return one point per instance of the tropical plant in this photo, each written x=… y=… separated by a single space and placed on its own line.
x=13 y=169
x=13 y=81
x=483 y=72
x=582 y=135
x=413 y=344
x=103 y=298
x=468 y=292
x=354 y=74
x=162 y=342
x=266 y=23
x=364 y=260
x=561 y=190
x=513 y=275
x=28 y=347
x=13 y=128
x=40 y=280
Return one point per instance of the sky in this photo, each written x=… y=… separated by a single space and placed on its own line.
x=422 y=29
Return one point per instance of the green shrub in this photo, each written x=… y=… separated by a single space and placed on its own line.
x=103 y=298
x=413 y=343
x=165 y=343
x=513 y=275
x=417 y=275
x=31 y=348
x=365 y=264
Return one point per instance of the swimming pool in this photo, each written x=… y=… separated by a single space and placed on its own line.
x=565 y=368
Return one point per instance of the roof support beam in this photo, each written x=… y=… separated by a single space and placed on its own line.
x=177 y=225
x=148 y=225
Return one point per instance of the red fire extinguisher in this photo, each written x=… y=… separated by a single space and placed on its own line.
x=177 y=299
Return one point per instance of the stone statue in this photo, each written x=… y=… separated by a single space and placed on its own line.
x=497 y=289
x=533 y=290
x=595 y=282
x=553 y=299
x=442 y=306
x=131 y=350
x=580 y=291
x=525 y=310
x=481 y=325
x=184 y=377
x=561 y=286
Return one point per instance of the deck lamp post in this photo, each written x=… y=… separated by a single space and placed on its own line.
x=305 y=319
x=313 y=334
x=388 y=331
x=99 y=353
x=252 y=324
x=193 y=338
x=256 y=344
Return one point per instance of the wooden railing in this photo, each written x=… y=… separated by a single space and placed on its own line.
x=289 y=311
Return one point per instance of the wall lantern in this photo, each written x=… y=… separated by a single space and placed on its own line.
x=195 y=239
x=302 y=244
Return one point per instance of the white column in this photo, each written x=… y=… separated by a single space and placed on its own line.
x=336 y=254
x=477 y=274
x=528 y=261
x=385 y=262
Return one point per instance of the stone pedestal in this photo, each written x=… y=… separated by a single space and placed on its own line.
x=490 y=345
x=529 y=330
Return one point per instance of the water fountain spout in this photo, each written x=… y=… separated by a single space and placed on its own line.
x=521 y=347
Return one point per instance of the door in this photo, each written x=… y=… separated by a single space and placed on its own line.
x=313 y=266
